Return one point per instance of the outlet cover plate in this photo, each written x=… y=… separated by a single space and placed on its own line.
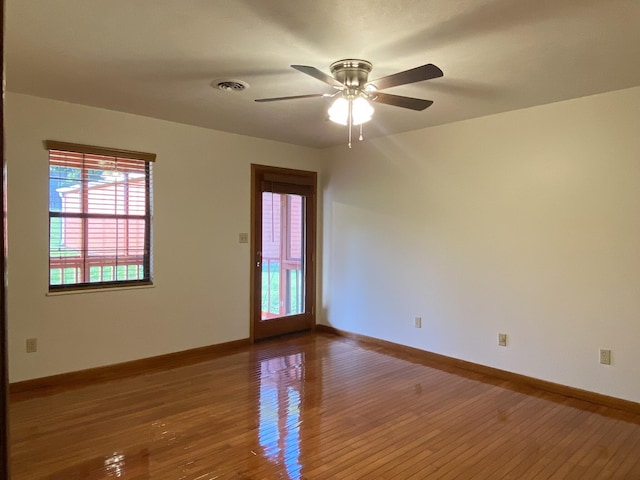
x=502 y=339
x=32 y=345
x=605 y=356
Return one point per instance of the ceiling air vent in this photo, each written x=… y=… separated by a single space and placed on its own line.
x=230 y=85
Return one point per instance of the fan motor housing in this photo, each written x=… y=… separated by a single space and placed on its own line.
x=353 y=73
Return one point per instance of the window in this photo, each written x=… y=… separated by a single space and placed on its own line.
x=99 y=217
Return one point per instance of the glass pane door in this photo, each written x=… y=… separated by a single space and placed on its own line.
x=283 y=255
x=283 y=219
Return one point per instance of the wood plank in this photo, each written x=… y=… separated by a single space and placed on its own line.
x=317 y=406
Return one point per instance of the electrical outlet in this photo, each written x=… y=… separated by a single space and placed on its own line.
x=502 y=339
x=605 y=356
x=32 y=345
x=243 y=238
x=417 y=322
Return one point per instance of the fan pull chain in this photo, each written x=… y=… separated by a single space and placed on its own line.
x=350 y=120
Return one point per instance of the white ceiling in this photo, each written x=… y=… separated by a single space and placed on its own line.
x=158 y=57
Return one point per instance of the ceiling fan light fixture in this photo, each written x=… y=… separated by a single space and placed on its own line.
x=350 y=78
x=339 y=111
x=361 y=111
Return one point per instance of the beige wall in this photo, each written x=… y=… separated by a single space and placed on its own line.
x=526 y=223
x=201 y=203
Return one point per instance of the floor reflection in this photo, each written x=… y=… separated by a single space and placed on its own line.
x=116 y=465
x=280 y=404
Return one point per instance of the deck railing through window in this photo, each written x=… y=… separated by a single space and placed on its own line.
x=70 y=270
x=282 y=292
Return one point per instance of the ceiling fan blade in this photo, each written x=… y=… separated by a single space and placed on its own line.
x=417 y=104
x=277 y=99
x=319 y=75
x=418 y=74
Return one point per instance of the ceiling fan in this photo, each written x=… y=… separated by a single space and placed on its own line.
x=354 y=91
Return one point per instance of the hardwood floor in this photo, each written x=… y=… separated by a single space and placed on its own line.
x=318 y=407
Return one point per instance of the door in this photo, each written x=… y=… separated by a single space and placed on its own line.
x=4 y=367
x=283 y=253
